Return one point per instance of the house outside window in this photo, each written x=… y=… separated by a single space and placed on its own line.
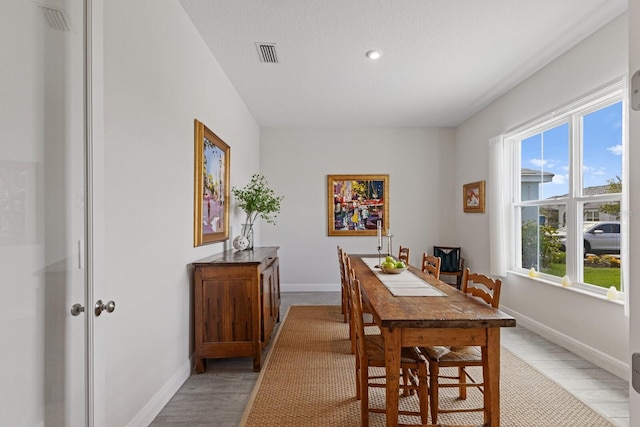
x=568 y=191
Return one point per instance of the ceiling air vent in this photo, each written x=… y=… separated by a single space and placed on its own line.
x=56 y=18
x=267 y=52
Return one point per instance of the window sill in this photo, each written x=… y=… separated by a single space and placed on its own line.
x=574 y=288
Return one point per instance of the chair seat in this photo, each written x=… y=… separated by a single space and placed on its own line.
x=375 y=351
x=451 y=273
x=442 y=354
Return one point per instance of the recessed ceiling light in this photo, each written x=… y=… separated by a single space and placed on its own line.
x=373 y=54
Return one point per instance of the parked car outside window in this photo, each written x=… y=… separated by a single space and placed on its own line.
x=599 y=237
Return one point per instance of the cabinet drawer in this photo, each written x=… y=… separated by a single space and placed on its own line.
x=216 y=272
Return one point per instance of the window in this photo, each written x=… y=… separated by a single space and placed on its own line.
x=568 y=190
x=591 y=215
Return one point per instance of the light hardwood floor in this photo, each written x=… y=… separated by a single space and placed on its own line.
x=217 y=398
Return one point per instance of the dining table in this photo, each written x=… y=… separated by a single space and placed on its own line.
x=417 y=310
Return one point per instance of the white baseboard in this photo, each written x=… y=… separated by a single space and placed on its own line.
x=321 y=287
x=149 y=412
x=595 y=356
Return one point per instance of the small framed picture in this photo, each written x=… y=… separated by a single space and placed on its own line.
x=473 y=197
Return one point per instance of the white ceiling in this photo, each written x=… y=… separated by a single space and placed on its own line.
x=442 y=60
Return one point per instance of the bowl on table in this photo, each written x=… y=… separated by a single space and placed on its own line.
x=393 y=270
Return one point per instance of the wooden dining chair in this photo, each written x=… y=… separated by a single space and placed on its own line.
x=344 y=294
x=366 y=312
x=371 y=328
x=370 y=354
x=460 y=357
x=431 y=265
x=403 y=255
x=451 y=262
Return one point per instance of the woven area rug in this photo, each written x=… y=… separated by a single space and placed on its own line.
x=308 y=380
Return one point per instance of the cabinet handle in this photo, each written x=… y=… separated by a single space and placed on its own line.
x=76 y=309
x=100 y=307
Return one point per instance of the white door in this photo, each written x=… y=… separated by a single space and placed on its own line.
x=43 y=357
x=634 y=207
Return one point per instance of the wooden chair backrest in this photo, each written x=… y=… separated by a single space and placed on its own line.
x=348 y=271
x=431 y=265
x=490 y=295
x=343 y=276
x=356 y=316
x=403 y=255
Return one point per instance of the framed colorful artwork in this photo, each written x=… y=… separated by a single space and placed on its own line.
x=473 y=197
x=211 y=194
x=357 y=204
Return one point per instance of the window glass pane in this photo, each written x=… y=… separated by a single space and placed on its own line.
x=544 y=164
x=542 y=239
x=601 y=246
x=602 y=151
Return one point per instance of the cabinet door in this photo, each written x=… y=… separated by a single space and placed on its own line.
x=276 y=290
x=266 y=286
x=226 y=310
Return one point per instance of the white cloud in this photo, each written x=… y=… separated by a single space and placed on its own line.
x=590 y=170
x=559 y=179
x=616 y=149
x=538 y=162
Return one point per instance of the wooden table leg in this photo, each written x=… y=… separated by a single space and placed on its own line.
x=392 y=354
x=491 y=372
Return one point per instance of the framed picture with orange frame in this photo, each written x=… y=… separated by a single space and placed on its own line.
x=211 y=187
x=473 y=197
x=357 y=204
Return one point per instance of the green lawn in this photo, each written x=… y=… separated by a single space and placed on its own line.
x=598 y=276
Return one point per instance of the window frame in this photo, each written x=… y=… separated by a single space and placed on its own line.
x=575 y=201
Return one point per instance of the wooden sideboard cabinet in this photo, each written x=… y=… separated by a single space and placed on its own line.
x=236 y=304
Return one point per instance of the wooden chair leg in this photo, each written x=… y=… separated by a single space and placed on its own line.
x=406 y=380
x=364 y=396
x=434 y=371
x=352 y=332
x=358 y=379
x=423 y=391
x=345 y=307
x=462 y=379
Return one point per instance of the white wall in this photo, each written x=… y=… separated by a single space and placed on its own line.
x=158 y=77
x=597 y=327
x=296 y=162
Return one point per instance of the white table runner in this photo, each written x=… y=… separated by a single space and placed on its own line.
x=404 y=284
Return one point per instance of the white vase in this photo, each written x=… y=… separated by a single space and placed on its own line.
x=245 y=240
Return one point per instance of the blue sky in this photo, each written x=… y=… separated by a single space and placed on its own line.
x=549 y=151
